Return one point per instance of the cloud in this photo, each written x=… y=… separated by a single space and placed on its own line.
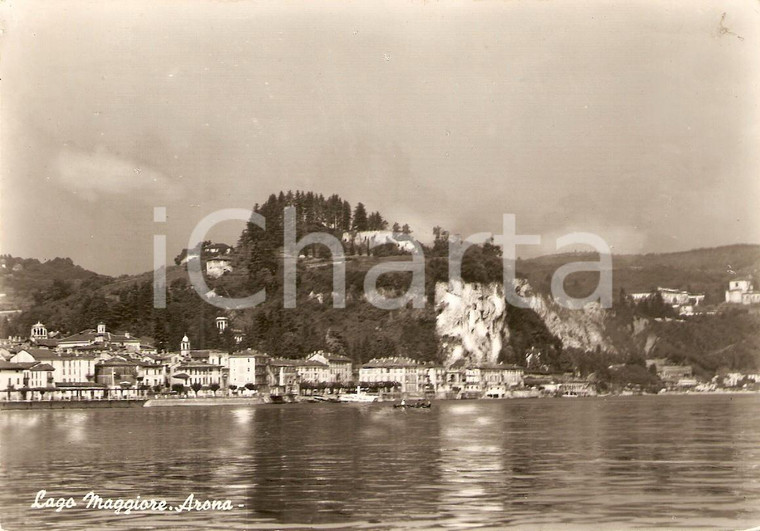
x=100 y=173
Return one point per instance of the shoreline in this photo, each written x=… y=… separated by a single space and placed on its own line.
x=256 y=401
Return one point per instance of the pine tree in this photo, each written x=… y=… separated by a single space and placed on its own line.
x=360 y=218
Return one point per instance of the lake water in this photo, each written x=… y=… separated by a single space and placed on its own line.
x=617 y=462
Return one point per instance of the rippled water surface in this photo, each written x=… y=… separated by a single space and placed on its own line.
x=622 y=462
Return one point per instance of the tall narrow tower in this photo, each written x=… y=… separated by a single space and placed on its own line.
x=184 y=347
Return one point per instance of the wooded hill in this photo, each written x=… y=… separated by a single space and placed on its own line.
x=362 y=331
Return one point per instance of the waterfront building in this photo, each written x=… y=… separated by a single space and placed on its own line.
x=67 y=367
x=121 y=372
x=455 y=376
x=432 y=377
x=283 y=377
x=492 y=379
x=201 y=373
x=19 y=381
x=404 y=371
x=116 y=372
x=248 y=367
x=13 y=377
x=152 y=374
x=313 y=371
x=41 y=376
x=341 y=367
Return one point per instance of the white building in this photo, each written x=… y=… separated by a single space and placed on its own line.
x=404 y=371
x=742 y=291
x=341 y=367
x=313 y=371
x=245 y=365
x=66 y=367
x=200 y=373
x=680 y=300
x=217 y=266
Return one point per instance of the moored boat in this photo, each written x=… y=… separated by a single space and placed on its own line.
x=358 y=397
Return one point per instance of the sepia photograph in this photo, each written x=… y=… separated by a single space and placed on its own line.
x=423 y=264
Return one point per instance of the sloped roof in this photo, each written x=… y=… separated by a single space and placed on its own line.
x=41 y=354
x=115 y=362
x=497 y=366
x=310 y=363
x=46 y=342
x=198 y=365
x=282 y=362
x=92 y=334
x=84 y=335
x=338 y=357
x=390 y=363
x=7 y=365
x=248 y=354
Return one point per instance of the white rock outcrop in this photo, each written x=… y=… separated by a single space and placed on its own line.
x=471 y=321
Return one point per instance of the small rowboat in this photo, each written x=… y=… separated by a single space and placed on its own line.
x=417 y=405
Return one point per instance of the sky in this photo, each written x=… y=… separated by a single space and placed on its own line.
x=636 y=121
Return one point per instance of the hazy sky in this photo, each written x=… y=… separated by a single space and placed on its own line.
x=635 y=120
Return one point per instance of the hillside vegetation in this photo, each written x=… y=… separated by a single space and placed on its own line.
x=72 y=299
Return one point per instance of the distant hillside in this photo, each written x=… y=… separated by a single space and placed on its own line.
x=705 y=271
x=21 y=279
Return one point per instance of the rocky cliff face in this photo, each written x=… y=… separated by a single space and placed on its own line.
x=471 y=321
x=582 y=329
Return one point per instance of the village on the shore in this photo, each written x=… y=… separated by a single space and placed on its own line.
x=98 y=364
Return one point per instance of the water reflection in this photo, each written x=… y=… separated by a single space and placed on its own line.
x=617 y=462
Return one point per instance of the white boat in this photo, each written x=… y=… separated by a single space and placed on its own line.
x=358 y=397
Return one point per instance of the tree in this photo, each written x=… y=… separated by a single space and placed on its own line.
x=360 y=222
x=376 y=222
x=196 y=386
x=178 y=388
x=346 y=216
x=406 y=229
x=440 y=242
x=396 y=228
x=214 y=387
